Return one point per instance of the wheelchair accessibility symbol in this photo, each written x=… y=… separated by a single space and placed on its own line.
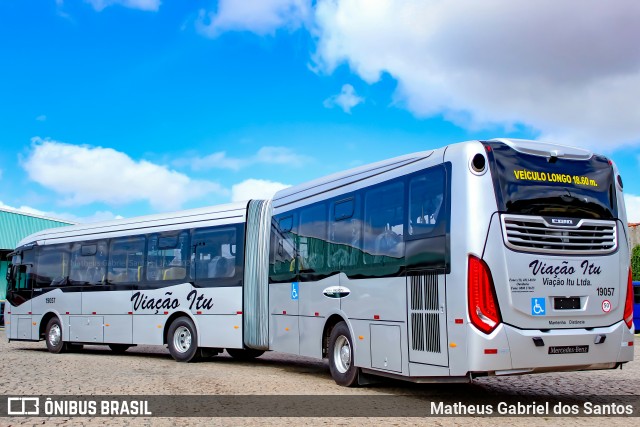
x=538 y=307
x=294 y=290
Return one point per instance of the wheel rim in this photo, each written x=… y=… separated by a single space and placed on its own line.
x=55 y=335
x=342 y=354
x=182 y=339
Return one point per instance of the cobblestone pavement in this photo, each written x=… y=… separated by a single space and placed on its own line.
x=28 y=369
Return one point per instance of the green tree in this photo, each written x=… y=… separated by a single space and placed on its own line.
x=635 y=262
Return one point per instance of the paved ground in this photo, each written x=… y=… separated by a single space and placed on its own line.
x=27 y=368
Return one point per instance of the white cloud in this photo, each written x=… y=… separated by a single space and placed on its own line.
x=255 y=189
x=346 y=99
x=632 y=203
x=149 y=5
x=265 y=155
x=25 y=209
x=258 y=16
x=41 y=118
x=85 y=174
x=569 y=69
x=64 y=216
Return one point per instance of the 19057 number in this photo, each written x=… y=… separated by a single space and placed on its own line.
x=605 y=292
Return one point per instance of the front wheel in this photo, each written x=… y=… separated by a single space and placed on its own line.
x=183 y=340
x=341 y=365
x=54 y=336
x=244 y=353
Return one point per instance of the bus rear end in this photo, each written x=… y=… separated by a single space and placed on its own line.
x=551 y=289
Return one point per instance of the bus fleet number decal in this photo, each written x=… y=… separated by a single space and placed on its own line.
x=605 y=292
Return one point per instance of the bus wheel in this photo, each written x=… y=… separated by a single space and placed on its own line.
x=119 y=348
x=341 y=365
x=244 y=353
x=54 y=336
x=183 y=340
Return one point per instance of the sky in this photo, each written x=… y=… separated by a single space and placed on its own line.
x=118 y=108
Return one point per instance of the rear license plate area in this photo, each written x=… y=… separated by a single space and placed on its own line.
x=572 y=303
x=569 y=349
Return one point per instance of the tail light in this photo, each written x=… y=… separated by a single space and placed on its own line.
x=628 y=304
x=483 y=304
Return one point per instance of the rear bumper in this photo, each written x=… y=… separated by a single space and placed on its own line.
x=516 y=351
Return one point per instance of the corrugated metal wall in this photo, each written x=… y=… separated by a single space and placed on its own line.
x=15 y=226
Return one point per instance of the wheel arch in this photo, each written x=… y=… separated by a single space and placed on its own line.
x=172 y=318
x=331 y=323
x=44 y=321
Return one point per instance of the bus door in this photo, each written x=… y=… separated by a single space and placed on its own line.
x=19 y=295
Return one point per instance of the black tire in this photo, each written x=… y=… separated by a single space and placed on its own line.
x=244 y=353
x=53 y=336
x=119 y=348
x=182 y=339
x=341 y=365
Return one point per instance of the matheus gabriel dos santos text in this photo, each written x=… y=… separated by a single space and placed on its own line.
x=546 y=408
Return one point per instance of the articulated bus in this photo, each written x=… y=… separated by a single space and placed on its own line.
x=496 y=257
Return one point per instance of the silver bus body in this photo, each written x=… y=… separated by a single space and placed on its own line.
x=479 y=258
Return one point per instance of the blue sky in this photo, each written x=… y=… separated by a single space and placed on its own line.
x=127 y=107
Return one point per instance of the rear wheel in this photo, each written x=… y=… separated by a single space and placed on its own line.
x=183 y=340
x=54 y=336
x=119 y=348
x=341 y=365
x=244 y=353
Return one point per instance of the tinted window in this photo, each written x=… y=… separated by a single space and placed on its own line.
x=312 y=242
x=384 y=228
x=534 y=185
x=343 y=209
x=167 y=256
x=426 y=202
x=282 y=257
x=88 y=263
x=22 y=270
x=345 y=235
x=126 y=259
x=52 y=266
x=217 y=256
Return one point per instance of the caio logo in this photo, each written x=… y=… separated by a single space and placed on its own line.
x=561 y=221
x=23 y=406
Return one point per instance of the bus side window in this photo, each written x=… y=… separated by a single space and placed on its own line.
x=312 y=242
x=282 y=256
x=126 y=259
x=167 y=256
x=384 y=226
x=426 y=202
x=215 y=260
x=345 y=234
x=52 y=266
x=88 y=263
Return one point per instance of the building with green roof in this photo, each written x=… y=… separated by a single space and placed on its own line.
x=15 y=226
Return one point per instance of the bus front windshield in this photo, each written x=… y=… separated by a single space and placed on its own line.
x=528 y=184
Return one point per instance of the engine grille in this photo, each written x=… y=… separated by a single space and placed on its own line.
x=534 y=234
x=425 y=313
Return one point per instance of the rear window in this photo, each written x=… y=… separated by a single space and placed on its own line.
x=535 y=185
